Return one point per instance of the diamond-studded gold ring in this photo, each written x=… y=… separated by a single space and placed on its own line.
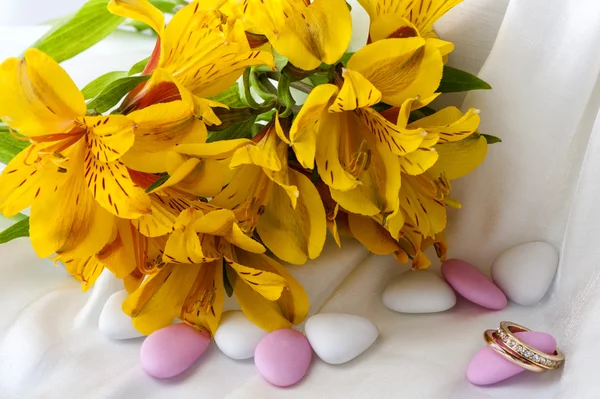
x=505 y=334
x=493 y=341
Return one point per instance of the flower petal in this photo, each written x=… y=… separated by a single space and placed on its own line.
x=112 y=187
x=140 y=10
x=459 y=158
x=268 y=285
x=418 y=161
x=318 y=34
x=206 y=179
x=449 y=124
x=216 y=150
x=160 y=298
x=22 y=182
x=294 y=234
x=370 y=234
x=109 y=137
x=38 y=97
x=328 y=153
x=400 y=68
x=291 y=309
x=421 y=201
x=204 y=306
x=397 y=140
x=87 y=269
x=222 y=223
x=204 y=54
x=62 y=219
x=184 y=244
x=356 y=92
x=303 y=134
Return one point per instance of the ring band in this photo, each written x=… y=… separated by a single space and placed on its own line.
x=492 y=341
x=547 y=361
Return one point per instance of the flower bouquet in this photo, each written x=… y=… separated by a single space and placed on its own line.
x=249 y=134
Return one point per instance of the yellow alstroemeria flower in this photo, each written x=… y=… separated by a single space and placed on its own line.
x=280 y=203
x=160 y=127
x=201 y=49
x=408 y=18
x=424 y=194
x=71 y=175
x=190 y=284
x=400 y=68
x=355 y=148
x=307 y=33
x=128 y=256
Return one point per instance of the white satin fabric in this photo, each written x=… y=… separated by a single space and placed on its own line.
x=541 y=183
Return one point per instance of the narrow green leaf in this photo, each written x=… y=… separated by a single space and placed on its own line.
x=240 y=130
x=318 y=79
x=454 y=80
x=138 y=67
x=96 y=86
x=421 y=113
x=92 y=23
x=230 y=97
x=17 y=230
x=10 y=146
x=226 y=282
x=266 y=117
x=345 y=58
x=159 y=182
x=492 y=139
x=280 y=61
x=138 y=26
x=167 y=6
x=114 y=92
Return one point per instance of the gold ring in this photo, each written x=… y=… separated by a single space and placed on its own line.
x=547 y=361
x=492 y=341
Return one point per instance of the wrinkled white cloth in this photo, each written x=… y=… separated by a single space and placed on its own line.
x=540 y=184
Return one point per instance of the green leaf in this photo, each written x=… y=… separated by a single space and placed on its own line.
x=96 y=86
x=230 y=97
x=266 y=117
x=159 y=182
x=318 y=79
x=10 y=146
x=138 y=26
x=17 y=230
x=114 y=92
x=138 y=67
x=226 y=282
x=492 y=139
x=240 y=130
x=454 y=80
x=168 y=6
x=345 y=58
x=92 y=23
x=421 y=113
x=280 y=60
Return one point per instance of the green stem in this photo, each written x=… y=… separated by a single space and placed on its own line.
x=249 y=99
x=285 y=96
x=301 y=86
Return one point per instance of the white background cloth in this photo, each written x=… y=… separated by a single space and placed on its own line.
x=541 y=183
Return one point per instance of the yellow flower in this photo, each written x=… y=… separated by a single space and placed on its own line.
x=161 y=126
x=206 y=243
x=426 y=175
x=201 y=48
x=356 y=149
x=408 y=18
x=308 y=34
x=400 y=68
x=71 y=175
x=266 y=195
